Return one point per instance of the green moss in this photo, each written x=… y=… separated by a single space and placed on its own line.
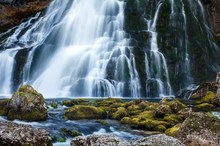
x=61 y=139
x=146 y=115
x=172 y=131
x=126 y=120
x=3 y=107
x=120 y=113
x=106 y=102
x=152 y=124
x=210 y=98
x=84 y=112
x=134 y=110
x=103 y=122
x=176 y=105
x=78 y=101
x=172 y=119
x=160 y=128
x=53 y=104
x=162 y=110
x=33 y=115
x=204 y=105
x=70 y=133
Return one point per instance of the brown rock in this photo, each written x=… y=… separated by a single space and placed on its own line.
x=12 y=134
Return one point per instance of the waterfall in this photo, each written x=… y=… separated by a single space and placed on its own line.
x=102 y=48
x=89 y=53
x=158 y=66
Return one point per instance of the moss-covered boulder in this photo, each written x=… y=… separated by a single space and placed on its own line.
x=172 y=131
x=176 y=105
x=27 y=104
x=172 y=119
x=206 y=93
x=54 y=104
x=202 y=90
x=199 y=129
x=79 y=112
x=70 y=133
x=120 y=113
x=4 y=107
x=162 y=110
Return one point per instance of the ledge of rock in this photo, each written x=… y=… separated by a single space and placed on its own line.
x=12 y=134
x=13 y=12
x=110 y=140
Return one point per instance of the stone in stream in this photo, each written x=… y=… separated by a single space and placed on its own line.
x=27 y=104
x=111 y=140
x=12 y=134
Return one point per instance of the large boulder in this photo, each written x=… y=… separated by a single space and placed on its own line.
x=79 y=112
x=199 y=129
x=12 y=134
x=111 y=140
x=27 y=104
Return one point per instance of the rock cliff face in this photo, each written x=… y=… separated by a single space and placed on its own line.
x=213 y=8
x=13 y=12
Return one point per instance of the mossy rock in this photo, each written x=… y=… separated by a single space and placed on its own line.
x=204 y=106
x=78 y=101
x=79 y=112
x=209 y=98
x=162 y=110
x=152 y=125
x=172 y=119
x=27 y=104
x=172 y=131
x=106 y=102
x=146 y=115
x=120 y=113
x=103 y=122
x=70 y=133
x=54 y=105
x=4 y=107
x=134 y=110
x=126 y=120
x=176 y=105
x=160 y=128
x=117 y=105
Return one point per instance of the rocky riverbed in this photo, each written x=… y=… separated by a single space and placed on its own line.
x=87 y=121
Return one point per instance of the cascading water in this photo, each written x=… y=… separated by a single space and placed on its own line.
x=101 y=48
x=91 y=56
x=157 y=67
